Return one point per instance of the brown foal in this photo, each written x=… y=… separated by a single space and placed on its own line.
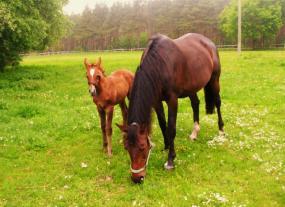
x=108 y=91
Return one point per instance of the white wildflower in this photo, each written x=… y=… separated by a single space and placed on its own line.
x=220 y=198
x=217 y=141
x=257 y=157
x=84 y=165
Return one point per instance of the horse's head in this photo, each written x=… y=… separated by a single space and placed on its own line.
x=137 y=143
x=94 y=74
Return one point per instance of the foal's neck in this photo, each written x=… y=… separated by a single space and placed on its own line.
x=103 y=84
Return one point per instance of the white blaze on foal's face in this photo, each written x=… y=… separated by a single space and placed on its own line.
x=92 y=72
x=92 y=88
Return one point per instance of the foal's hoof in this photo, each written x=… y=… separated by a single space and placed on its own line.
x=168 y=166
x=109 y=153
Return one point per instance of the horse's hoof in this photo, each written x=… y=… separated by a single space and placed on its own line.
x=193 y=137
x=221 y=133
x=168 y=167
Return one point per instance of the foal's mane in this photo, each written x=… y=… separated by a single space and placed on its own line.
x=147 y=85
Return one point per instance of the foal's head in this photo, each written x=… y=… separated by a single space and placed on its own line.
x=94 y=74
x=137 y=143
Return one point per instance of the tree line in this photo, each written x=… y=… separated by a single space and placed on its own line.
x=130 y=25
x=38 y=25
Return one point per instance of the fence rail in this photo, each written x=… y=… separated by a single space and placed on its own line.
x=222 y=47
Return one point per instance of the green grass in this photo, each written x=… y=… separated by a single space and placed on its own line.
x=49 y=126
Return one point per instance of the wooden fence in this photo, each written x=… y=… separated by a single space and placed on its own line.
x=221 y=47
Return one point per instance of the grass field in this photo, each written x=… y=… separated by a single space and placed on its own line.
x=49 y=129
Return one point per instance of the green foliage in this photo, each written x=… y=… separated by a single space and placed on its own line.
x=29 y=25
x=261 y=20
x=46 y=134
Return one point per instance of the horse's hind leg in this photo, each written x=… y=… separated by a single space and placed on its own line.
x=102 y=115
x=195 y=107
x=124 y=110
x=215 y=86
x=109 y=129
x=220 y=120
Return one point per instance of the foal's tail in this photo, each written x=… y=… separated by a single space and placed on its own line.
x=209 y=98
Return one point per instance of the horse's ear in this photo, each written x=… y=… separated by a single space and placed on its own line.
x=122 y=128
x=99 y=62
x=86 y=63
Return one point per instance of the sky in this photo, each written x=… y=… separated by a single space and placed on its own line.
x=77 y=6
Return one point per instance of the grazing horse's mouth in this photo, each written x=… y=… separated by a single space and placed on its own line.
x=140 y=178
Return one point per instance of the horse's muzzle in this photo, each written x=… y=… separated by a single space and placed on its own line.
x=138 y=179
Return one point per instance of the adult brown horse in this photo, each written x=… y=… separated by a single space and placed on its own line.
x=170 y=69
x=108 y=91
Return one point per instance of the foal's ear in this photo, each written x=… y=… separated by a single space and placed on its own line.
x=122 y=128
x=86 y=63
x=99 y=62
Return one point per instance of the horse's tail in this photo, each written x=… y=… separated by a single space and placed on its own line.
x=209 y=98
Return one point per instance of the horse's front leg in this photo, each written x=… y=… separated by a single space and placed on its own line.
x=109 y=112
x=162 y=123
x=171 y=131
x=102 y=115
x=124 y=110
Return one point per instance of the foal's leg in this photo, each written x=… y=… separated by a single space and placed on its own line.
x=124 y=110
x=109 y=112
x=171 y=131
x=102 y=115
x=162 y=123
x=195 y=107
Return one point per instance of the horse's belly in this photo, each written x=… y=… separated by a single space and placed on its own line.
x=192 y=82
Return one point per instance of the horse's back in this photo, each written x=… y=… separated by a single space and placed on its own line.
x=196 y=45
x=201 y=60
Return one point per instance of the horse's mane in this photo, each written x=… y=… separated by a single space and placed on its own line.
x=147 y=85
